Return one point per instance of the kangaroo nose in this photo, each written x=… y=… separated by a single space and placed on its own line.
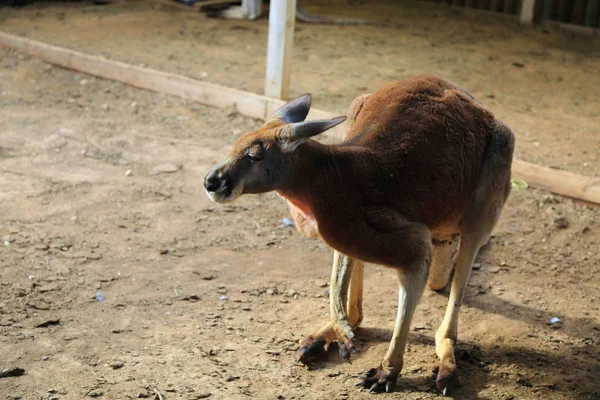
x=212 y=182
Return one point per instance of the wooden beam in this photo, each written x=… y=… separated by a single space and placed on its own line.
x=282 y=16
x=565 y=183
x=260 y=107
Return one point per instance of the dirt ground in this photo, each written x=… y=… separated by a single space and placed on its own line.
x=100 y=193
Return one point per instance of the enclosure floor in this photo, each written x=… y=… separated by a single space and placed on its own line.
x=82 y=212
x=544 y=84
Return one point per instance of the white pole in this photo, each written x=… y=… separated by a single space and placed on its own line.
x=282 y=16
x=527 y=10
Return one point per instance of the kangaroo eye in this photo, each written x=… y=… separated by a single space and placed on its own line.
x=255 y=153
x=254 y=157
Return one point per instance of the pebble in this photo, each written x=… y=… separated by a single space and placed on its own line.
x=166 y=168
x=117 y=364
x=96 y=393
x=476 y=266
x=12 y=371
x=561 y=223
x=270 y=291
x=128 y=172
x=116 y=330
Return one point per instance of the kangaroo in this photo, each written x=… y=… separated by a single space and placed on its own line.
x=417 y=185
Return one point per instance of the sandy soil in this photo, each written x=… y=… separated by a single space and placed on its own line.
x=206 y=301
x=542 y=83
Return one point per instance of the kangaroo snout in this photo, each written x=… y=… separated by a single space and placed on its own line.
x=214 y=182
x=218 y=186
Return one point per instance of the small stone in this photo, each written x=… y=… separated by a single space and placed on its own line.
x=270 y=291
x=83 y=82
x=203 y=395
x=476 y=266
x=117 y=364
x=128 y=172
x=12 y=371
x=96 y=393
x=45 y=358
x=116 y=330
x=166 y=168
x=105 y=107
x=561 y=223
x=524 y=382
x=48 y=322
x=494 y=270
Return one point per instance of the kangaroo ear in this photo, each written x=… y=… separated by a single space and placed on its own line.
x=306 y=129
x=294 y=111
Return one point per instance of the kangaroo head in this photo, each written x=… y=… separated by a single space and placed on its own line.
x=260 y=160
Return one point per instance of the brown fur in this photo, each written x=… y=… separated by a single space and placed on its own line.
x=424 y=171
x=414 y=154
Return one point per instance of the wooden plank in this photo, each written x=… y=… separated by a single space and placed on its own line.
x=548 y=10
x=510 y=7
x=497 y=5
x=565 y=183
x=527 y=12
x=261 y=107
x=564 y=10
x=591 y=12
x=484 y=4
x=249 y=104
x=578 y=15
x=587 y=31
x=282 y=16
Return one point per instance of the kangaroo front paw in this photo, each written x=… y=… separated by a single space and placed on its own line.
x=377 y=381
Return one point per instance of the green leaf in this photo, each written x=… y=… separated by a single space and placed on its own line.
x=519 y=184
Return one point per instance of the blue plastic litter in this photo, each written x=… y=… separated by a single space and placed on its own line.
x=555 y=320
x=287 y=222
x=99 y=296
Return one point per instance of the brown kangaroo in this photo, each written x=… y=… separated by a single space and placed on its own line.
x=424 y=170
